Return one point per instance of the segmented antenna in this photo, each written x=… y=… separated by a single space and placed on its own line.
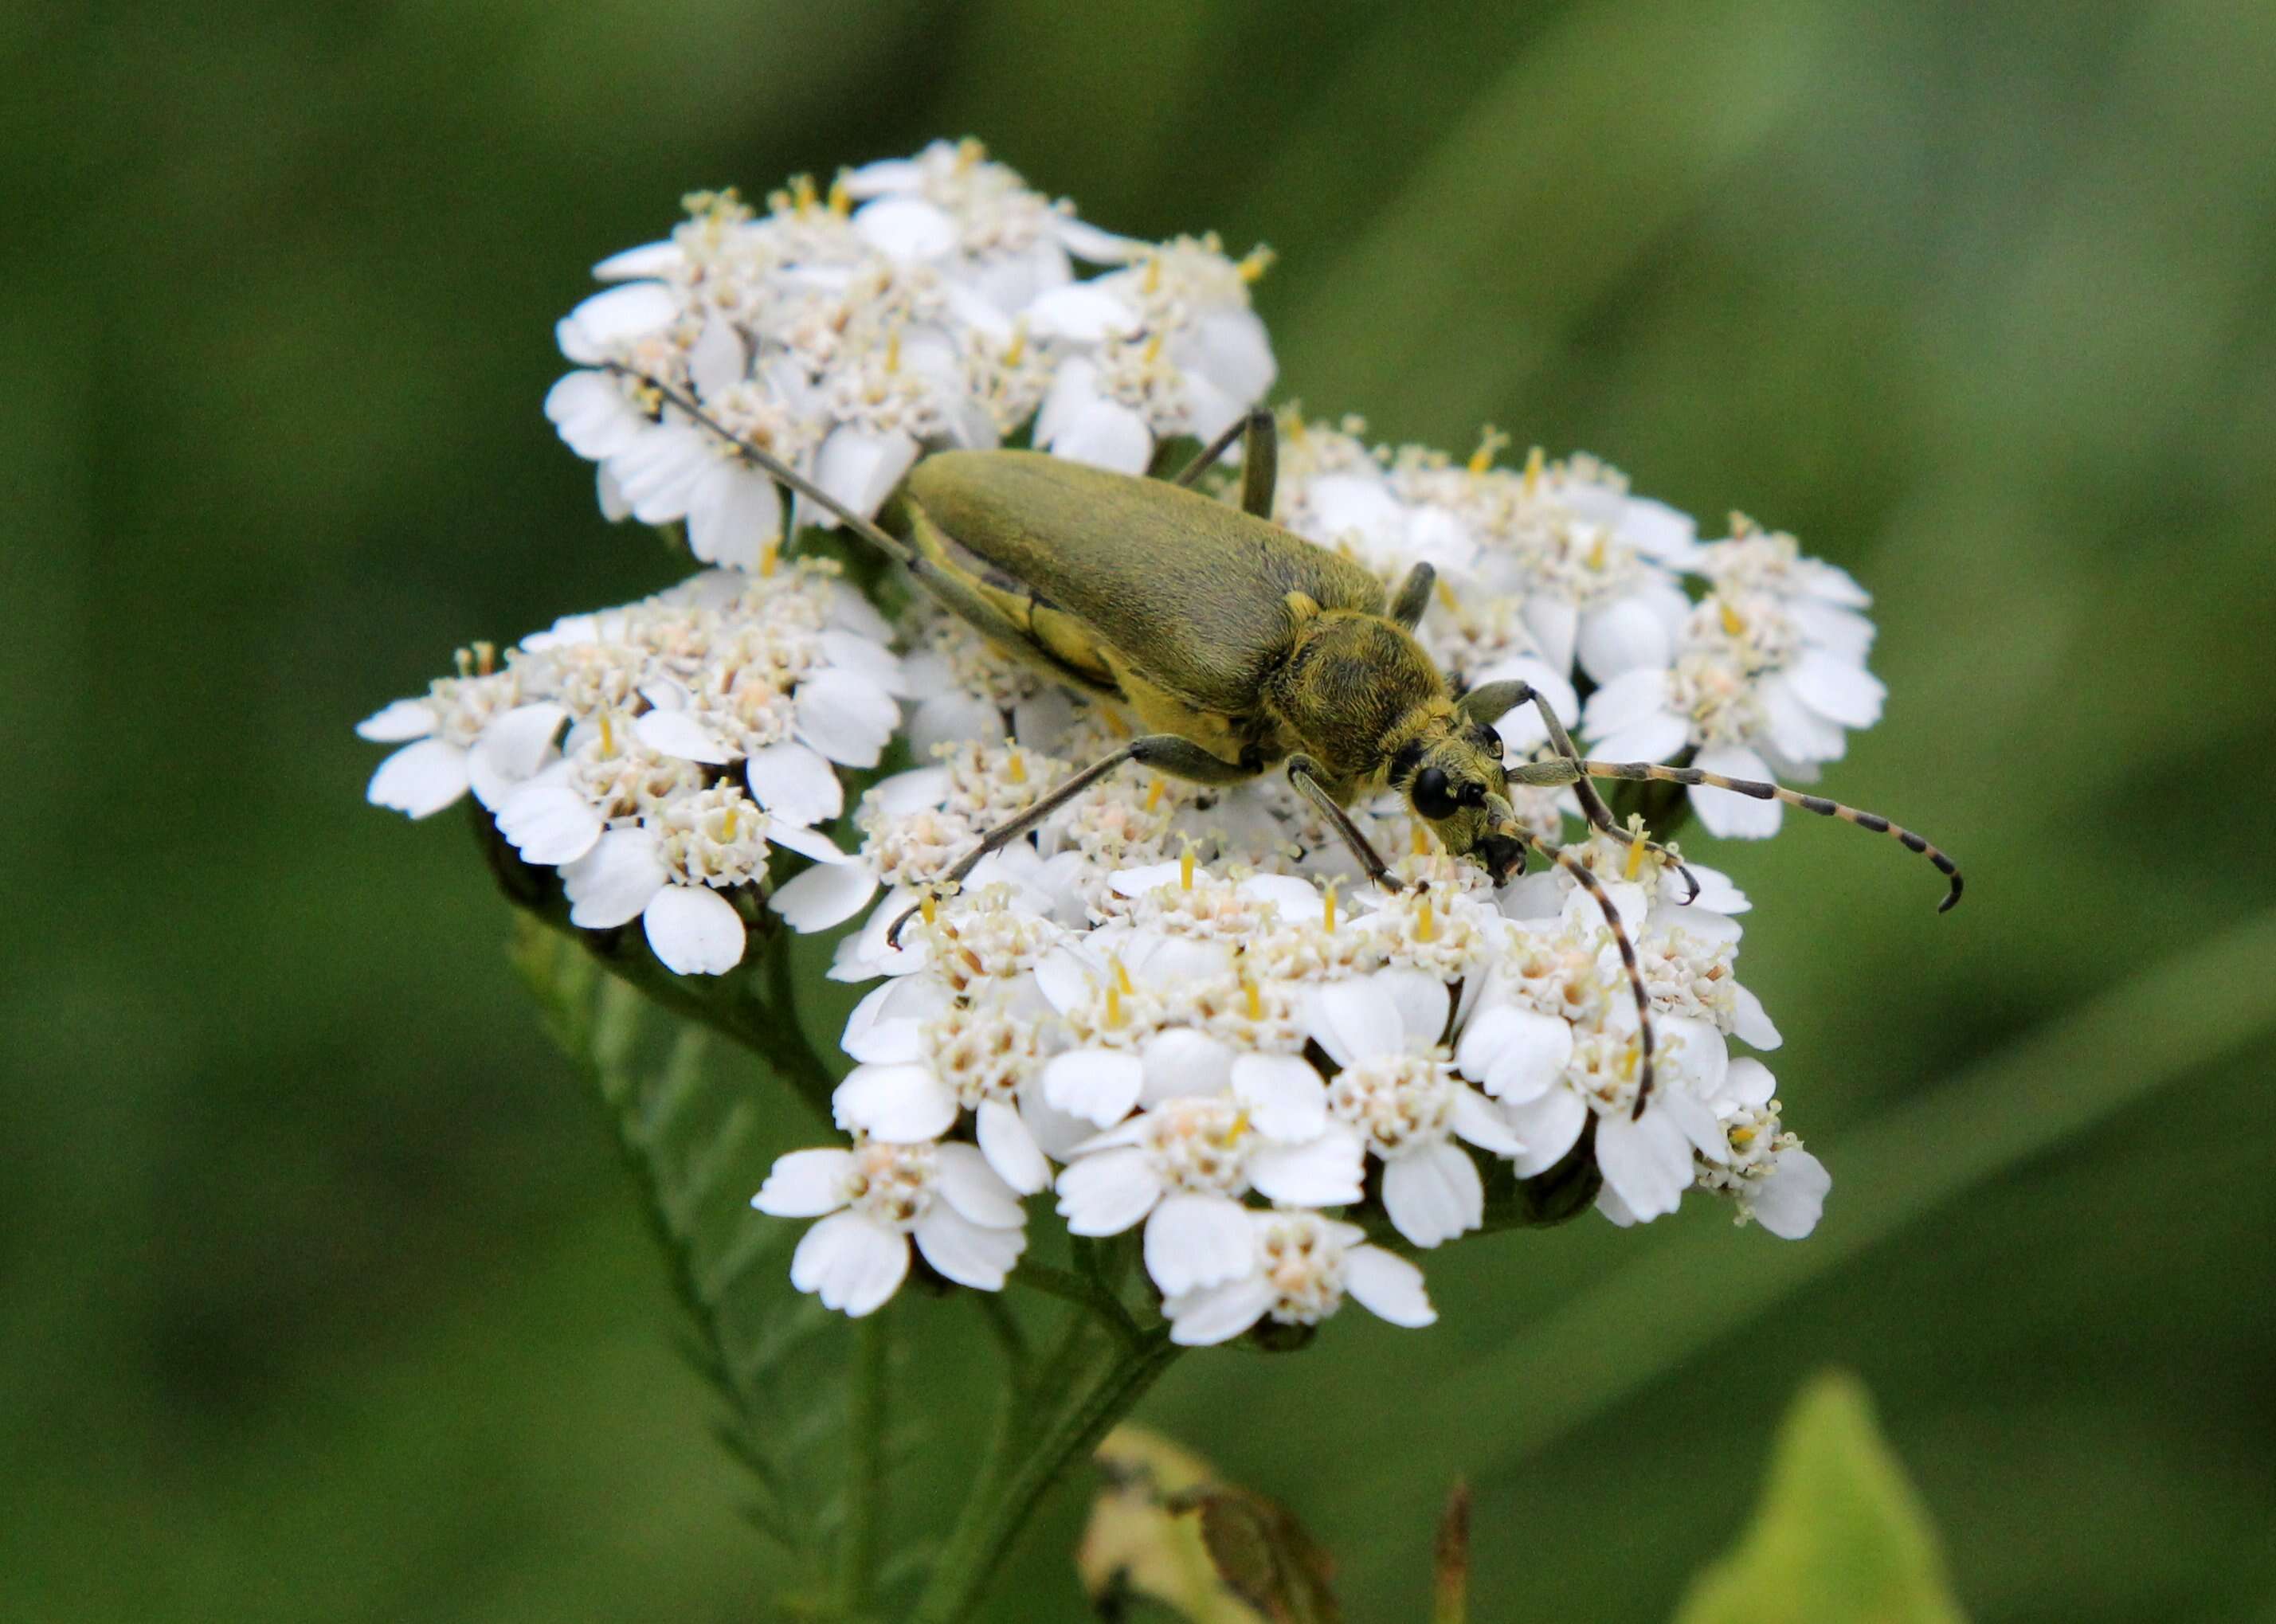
x=766 y=462
x=1648 y=772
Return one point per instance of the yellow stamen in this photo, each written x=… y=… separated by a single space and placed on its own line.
x=841 y=201
x=1421 y=838
x=1115 y=725
x=930 y=906
x=1733 y=626
x=1446 y=595
x=464 y=660
x=1535 y=462
x=1017 y=350
x=893 y=351
x=1154 y=795
x=1491 y=443
x=969 y=151
x=486 y=657
x=1426 y=923
x=1636 y=857
x=1015 y=768
x=1742 y=1137
x=1256 y=262
x=1153 y=281
x=1598 y=549
x=608 y=736
x=1629 y=1061
x=727 y=826
x=1121 y=974
x=1255 y=998
x=1328 y=907
x=769 y=558
x=802 y=194
x=1185 y=868
x=1153 y=350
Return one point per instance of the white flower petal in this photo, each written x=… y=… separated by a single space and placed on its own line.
x=1422 y=1001
x=588 y=333
x=1284 y=1097
x=1388 y=1287
x=1098 y=1085
x=903 y=1103
x=1749 y=1082
x=906 y=228
x=1082 y=312
x=845 y=716
x=736 y=515
x=970 y=1254
x=1106 y=435
x=421 y=779
x=1355 y=1020
x=1197 y=1241
x=860 y=469
x=1623 y=635
x=853 y=1263
x=1625 y=700
x=405 y=719
x=1749 y=1024
x=1516 y=1054
x=974 y=1188
x=1476 y=1120
x=1105 y=1193
x=793 y=783
x=611 y=884
x=1645 y=1160
x=675 y=733
x=1555 y=624
x=1433 y=1195
x=1654 y=738
x=1215 y=1314
x=1790 y=1201
x=1838 y=689
x=549 y=824
x=1328 y=1171
x=1182 y=1064
x=805 y=1184
x=694 y=930
x=826 y=895
x=1548 y=1127
x=650 y=259
x=1010 y=1146
x=660 y=473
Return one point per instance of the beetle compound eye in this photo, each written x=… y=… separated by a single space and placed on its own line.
x=1430 y=793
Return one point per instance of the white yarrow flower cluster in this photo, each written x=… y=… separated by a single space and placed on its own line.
x=921 y=305
x=657 y=755
x=1174 y=1012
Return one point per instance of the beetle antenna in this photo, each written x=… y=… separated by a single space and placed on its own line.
x=767 y=463
x=1647 y=772
x=1579 y=872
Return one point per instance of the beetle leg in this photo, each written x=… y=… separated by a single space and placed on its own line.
x=1589 y=883
x=1414 y=598
x=1181 y=758
x=1496 y=699
x=1310 y=780
x=1260 y=460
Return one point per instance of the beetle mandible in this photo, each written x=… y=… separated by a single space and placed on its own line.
x=1241 y=646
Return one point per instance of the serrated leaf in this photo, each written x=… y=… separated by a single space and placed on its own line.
x=1839 y=1534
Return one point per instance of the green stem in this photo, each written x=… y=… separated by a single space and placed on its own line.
x=1102 y=1377
x=865 y=1468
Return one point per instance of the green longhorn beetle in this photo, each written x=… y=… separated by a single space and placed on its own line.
x=1240 y=646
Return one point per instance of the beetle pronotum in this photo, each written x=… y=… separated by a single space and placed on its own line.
x=1240 y=646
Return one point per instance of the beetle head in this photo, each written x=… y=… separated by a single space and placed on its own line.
x=1450 y=773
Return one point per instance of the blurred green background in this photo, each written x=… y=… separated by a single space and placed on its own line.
x=326 y=1296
